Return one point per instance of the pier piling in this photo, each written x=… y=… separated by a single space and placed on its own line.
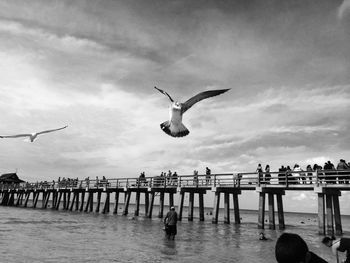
x=227 y=192
x=329 y=217
x=262 y=190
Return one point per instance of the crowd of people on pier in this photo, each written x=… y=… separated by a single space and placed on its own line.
x=97 y=182
x=70 y=182
x=328 y=173
x=60 y=182
x=166 y=178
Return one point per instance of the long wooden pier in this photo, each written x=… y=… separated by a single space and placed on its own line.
x=82 y=195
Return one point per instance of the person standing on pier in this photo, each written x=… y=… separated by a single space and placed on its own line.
x=343 y=166
x=207 y=175
x=195 y=177
x=170 y=222
x=282 y=175
x=174 y=180
x=168 y=179
x=309 y=173
x=267 y=174
x=298 y=177
x=259 y=170
x=340 y=244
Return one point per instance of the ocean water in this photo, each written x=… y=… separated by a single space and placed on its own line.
x=37 y=235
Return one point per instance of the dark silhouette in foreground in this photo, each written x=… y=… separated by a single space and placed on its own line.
x=291 y=248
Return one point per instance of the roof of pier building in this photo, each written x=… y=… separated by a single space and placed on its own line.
x=10 y=178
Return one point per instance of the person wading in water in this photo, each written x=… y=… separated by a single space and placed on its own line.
x=170 y=222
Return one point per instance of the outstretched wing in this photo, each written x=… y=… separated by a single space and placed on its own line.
x=52 y=130
x=15 y=136
x=165 y=93
x=201 y=96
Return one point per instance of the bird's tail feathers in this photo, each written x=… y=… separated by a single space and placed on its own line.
x=179 y=130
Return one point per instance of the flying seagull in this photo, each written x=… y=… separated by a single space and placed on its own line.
x=174 y=126
x=32 y=136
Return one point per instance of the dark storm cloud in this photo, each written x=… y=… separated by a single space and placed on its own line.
x=230 y=43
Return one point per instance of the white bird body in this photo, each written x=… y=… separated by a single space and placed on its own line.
x=32 y=136
x=174 y=126
x=175 y=113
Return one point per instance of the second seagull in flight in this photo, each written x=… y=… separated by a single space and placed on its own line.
x=31 y=136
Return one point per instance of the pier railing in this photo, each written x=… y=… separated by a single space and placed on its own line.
x=288 y=180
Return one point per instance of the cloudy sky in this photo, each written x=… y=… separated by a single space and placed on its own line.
x=92 y=65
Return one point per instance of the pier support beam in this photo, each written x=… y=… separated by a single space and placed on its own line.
x=137 y=200
x=146 y=203
x=281 y=224
x=227 y=191
x=161 y=205
x=337 y=218
x=271 y=211
x=190 y=206
x=226 y=208
x=82 y=201
x=321 y=214
x=150 y=209
x=54 y=199
x=329 y=217
x=67 y=200
x=99 y=193
x=106 y=203
x=152 y=193
x=261 y=216
x=262 y=190
x=89 y=206
x=181 y=205
x=64 y=200
x=126 y=203
x=77 y=201
x=27 y=194
x=11 y=200
x=45 y=193
x=201 y=207
x=191 y=191
x=116 y=202
x=19 y=199
x=74 y=199
x=35 y=198
x=58 y=200
x=236 y=209
x=5 y=198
